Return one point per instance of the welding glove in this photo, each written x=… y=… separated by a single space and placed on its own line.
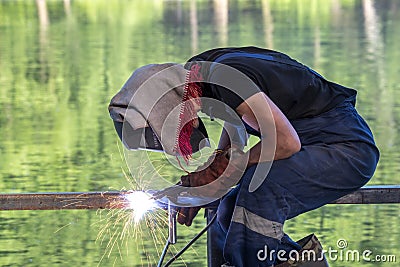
x=214 y=168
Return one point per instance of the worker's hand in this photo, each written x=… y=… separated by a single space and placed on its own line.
x=216 y=167
x=186 y=215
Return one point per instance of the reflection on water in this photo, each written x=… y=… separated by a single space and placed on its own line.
x=61 y=61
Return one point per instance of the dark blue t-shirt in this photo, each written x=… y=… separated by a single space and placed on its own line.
x=296 y=89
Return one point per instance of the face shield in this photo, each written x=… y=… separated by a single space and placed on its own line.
x=149 y=110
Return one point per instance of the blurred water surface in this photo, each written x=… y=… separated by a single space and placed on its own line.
x=61 y=62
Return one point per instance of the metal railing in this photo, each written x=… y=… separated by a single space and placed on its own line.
x=377 y=194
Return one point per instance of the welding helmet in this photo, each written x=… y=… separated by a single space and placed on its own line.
x=146 y=111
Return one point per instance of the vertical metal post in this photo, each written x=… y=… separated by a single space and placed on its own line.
x=171 y=223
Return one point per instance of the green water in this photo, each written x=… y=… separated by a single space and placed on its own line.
x=61 y=62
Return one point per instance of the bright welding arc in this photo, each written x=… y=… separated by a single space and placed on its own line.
x=139 y=202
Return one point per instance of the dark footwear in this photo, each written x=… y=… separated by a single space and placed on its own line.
x=310 y=254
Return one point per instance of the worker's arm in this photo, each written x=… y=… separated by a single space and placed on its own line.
x=272 y=125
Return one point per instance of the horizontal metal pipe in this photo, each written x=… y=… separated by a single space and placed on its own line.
x=374 y=194
x=62 y=200
x=115 y=199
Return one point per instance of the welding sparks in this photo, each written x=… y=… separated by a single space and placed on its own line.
x=139 y=202
x=134 y=222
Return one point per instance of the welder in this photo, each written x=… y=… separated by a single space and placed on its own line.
x=313 y=146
